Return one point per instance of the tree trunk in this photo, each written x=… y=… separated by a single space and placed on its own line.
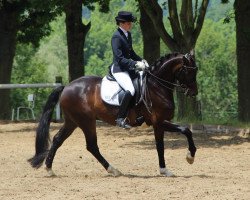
x=188 y=108
x=242 y=18
x=151 y=39
x=186 y=28
x=76 y=34
x=8 y=32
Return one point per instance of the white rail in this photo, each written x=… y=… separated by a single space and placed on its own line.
x=35 y=85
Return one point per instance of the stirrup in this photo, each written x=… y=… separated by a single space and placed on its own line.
x=140 y=120
x=121 y=122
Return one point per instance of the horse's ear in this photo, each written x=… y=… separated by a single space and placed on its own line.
x=185 y=58
x=192 y=52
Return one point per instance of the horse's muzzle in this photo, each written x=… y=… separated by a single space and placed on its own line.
x=191 y=90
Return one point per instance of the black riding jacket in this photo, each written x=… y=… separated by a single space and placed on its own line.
x=124 y=57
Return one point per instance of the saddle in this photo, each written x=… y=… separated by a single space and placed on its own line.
x=112 y=93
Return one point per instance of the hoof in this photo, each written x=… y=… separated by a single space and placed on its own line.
x=50 y=172
x=189 y=158
x=166 y=172
x=113 y=171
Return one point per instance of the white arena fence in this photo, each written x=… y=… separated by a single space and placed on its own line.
x=35 y=85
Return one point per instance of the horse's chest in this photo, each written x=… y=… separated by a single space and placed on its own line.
x=166 y=108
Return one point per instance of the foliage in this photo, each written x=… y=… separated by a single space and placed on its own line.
x=53 y=51
x=33 y=17
x=218 y=10
x=216 y=57
x=215 y=54
x=40 y=65
x=25 y=72
x=98 y=52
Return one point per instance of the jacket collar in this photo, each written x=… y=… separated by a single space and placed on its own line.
x=124 y=31
x=123 y=34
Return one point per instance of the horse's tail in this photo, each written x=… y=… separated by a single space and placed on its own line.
x=42 y=132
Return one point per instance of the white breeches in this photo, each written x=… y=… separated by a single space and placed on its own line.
x=124 y=80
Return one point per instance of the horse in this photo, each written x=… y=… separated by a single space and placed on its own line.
x=81 y=104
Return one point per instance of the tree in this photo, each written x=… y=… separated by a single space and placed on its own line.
x=8 y=31
x=151 y=39
x=217 y=77
x=21 y=21
x=29 y=68
x=242 y=18
x=28 y=21
x=186 y=28
x=77 y=32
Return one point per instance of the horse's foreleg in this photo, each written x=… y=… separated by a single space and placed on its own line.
x=58 y=140
x=168 y=126
x=159 y=140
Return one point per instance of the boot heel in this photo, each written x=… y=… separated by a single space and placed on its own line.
x=121 y=122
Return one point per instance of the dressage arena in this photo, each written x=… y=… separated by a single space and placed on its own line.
x=221 y=169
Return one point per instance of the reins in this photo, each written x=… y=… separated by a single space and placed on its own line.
x=162 y=81
x=145 y=97
x=180 y=88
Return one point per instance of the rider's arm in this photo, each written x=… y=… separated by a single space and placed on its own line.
x=118 y=55
x=134 y=56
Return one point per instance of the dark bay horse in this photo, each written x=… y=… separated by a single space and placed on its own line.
x=81 y=104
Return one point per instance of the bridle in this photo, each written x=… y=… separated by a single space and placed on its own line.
x=183 y=69
x=182 y=88
x=177 y=74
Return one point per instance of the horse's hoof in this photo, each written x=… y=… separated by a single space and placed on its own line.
x=189 y=158
x=113 y=171
x=50 y=172
x=166 y=172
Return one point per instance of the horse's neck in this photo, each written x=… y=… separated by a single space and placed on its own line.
x=160 y=95
x=161 y=86
x=163 y=79
x=167 y=69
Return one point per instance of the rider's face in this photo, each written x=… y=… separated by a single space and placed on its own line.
x=126 y=25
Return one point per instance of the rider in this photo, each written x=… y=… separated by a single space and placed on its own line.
x=125 y=61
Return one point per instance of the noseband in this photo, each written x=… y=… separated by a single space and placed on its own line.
x=183 y=70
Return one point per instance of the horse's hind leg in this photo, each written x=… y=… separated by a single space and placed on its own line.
x=58 y=140
x=92 y=146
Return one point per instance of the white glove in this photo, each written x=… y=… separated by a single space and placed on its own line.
x=140 y=65
x=145 y=63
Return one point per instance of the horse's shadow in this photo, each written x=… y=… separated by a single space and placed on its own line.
x=177 y=140
x=131 y=176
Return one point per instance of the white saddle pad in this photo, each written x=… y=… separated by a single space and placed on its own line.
x=110 y=91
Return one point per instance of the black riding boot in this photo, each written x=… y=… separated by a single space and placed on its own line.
x=121 y=122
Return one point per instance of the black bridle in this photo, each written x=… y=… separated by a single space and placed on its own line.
x=183 y=88
x=177 y=74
